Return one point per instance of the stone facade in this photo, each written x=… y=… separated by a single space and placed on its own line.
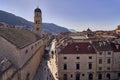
x=25 y=56
x=71 y=62
x=7 y=70
x=104 y=64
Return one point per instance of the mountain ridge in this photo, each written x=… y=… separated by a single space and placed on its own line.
x=14 y=20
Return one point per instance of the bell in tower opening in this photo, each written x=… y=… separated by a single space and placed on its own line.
x=38 y=21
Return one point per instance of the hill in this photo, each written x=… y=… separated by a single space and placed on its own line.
x=12 y=19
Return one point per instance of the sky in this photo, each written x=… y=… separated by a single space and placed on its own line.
x=72 y=14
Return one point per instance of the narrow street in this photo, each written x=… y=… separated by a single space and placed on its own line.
x=47 y=69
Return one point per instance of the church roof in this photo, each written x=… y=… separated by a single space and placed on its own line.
x=19 y=37
x=37 y=10
x=89 y=30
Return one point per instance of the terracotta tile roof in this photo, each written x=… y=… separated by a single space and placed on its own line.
x=115 y=47
x=78 y=48
x=18 y=37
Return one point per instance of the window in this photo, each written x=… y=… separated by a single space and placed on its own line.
x=35 y=44
x=100 y=53
x=65 y=77
x=89 y=65
x=108 y=68
x=109 y=53
x=100 y=61
x=37 y=14
x=108 y=76
x=7 y=78
x=36 y=22
x=28 y=76
x=65 y=57
x=99 y=76
x=71 y=75
x=77 y=57
x=77 y=66
x=118 y=75
x=100 y=68
x=37 y=29
x=26 y=51
x=65 y=66
x=108 y=61
x=90 y=76
x=90 y=57
x=77 y=76
x=83 y=74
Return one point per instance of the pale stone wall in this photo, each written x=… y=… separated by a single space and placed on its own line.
x=31 y=50
x=9 y=51
x=84 y=60
x=8 y=74
x=71 y=65
x=116 y=61
x=19 y=57
x=116 y=65
x=104 y=56
x=32 y=65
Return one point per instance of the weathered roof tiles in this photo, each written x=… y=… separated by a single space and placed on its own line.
x=19 y=37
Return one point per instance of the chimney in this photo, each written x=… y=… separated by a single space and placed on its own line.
x=104 y=43
x=89 y=48
x=100 y=43
x=77 y=48
x=117 y=46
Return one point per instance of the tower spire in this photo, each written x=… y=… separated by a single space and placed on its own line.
x=37 y=6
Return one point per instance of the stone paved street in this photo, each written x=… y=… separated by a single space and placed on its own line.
x=47 y=69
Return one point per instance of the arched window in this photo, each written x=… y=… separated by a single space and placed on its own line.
x=108 y=76
x=78 y=76
x=90 y=76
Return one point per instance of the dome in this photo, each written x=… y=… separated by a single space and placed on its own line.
x=37 y=10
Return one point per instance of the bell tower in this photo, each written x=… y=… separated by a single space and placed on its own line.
x=38 y=21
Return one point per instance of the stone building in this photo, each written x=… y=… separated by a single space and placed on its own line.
x=77 y=61
x=94 y=60
x=23 y=48
x=6 y=69
x=104 y=60
x=116 y=60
